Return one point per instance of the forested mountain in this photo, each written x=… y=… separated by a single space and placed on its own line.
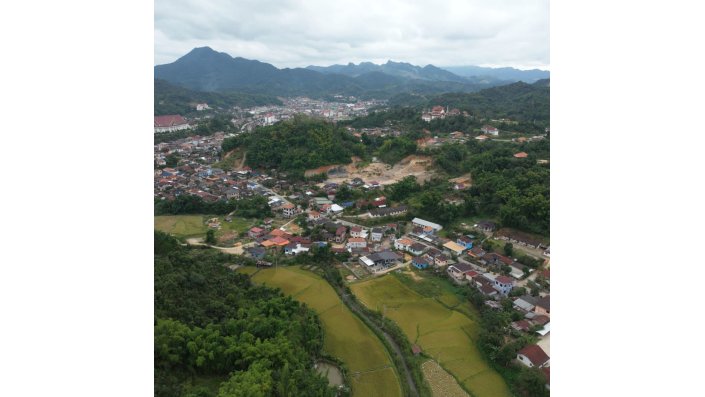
x=211 y=323
x=297 y=145
x=204 y=69
x=173 y=99
x=399 y=69
x=506 y=74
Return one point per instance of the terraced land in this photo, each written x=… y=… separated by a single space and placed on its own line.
x=370 y=368
x=444 y=334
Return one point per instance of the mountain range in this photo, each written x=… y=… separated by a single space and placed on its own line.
x=204 y=69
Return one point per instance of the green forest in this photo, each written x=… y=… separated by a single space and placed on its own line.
x=212 y=323
x=297 y=145
x=185 y=204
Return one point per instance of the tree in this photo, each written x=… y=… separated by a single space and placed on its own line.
x=210 y=237
x=531 y=382
x=508 y=249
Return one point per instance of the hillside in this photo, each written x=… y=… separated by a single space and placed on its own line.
x=517 y=101
x=173 y=99
x=506 y=74
x=204 y=69
x=297 y=145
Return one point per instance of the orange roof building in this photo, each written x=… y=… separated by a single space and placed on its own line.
x=521 y=155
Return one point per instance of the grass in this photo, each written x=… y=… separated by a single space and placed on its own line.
x=345 y=335
x=443 y=333
x=184 y=226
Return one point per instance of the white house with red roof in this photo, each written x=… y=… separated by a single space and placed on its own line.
x=488 y=129
x=533 y=356
x=170 y=123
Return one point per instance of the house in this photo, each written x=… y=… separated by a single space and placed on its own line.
x=486 y=226
x=465 y=241
x=340 y=233
x=256 y=252
x=388 y=211
x=416 y=249
x=454 y=248
x=476 y=252
x=288 y=210
x=459 y=271
x=357 y=242
x=517 y=237
x=170 y=123
x=379 y=201
x=525 y=303
x=314 y=215
x=533 y=356
x=428 y=227
x=503 y=284
x=336 y=209
x=420 y=262
x=482 y=138
x=495 y=259
x=356 y=231
x=543 y=306
x=377 y=234
x=521 y=155
x=256 y=232
x=202 y=106
x=485 y=286
x=403 y=244
x=380 y=259
x=488 y=129
x=521 y=325
x=440 y=260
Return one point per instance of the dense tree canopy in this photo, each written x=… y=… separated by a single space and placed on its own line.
x=297 y=145
x=255 y=207
x=211 y=321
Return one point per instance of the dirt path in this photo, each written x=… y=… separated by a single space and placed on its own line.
x=239 y=250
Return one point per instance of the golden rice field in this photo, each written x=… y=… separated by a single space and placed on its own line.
x=444 y=334
x=345 y=336
x=442 y=383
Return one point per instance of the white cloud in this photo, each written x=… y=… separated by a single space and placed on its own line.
x=292 y=33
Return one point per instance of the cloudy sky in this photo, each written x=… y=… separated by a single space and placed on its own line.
x=289 y=33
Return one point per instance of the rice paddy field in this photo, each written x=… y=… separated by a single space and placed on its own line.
x=444 y=334
x=369 y=366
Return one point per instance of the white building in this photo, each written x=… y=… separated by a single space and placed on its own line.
x=488 y=129
x=356 y=242
x=426 y=225
x=202 y=106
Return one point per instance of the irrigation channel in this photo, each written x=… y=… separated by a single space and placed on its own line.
x=354 y=306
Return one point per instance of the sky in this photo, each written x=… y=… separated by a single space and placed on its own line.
x=288 y=33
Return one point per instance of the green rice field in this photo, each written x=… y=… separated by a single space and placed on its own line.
x=444 y=334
